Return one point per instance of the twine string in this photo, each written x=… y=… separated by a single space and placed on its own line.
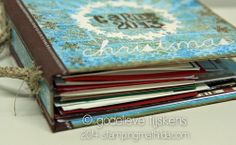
x=18 y=92
x=30 y=76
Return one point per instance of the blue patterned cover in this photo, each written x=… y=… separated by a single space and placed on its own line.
x=100 y=34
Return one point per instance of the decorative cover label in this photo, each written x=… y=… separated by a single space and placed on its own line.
x=128 y=24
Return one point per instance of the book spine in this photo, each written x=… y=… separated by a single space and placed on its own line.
x=30 y=48
x=41 y=104
x=45 y=97
x=24 y=59
x=39 y=47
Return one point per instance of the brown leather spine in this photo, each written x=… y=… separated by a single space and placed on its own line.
x=51 y=122
x=38 y=46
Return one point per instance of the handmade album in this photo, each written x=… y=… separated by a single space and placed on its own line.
x=122 y=58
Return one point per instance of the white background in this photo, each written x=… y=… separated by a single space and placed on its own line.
x=208 y=125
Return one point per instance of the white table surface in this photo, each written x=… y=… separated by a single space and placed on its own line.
x=208 y=125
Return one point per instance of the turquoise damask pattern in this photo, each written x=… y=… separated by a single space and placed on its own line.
x=100 y=34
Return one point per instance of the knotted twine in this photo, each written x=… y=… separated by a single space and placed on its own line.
x=29 y=75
